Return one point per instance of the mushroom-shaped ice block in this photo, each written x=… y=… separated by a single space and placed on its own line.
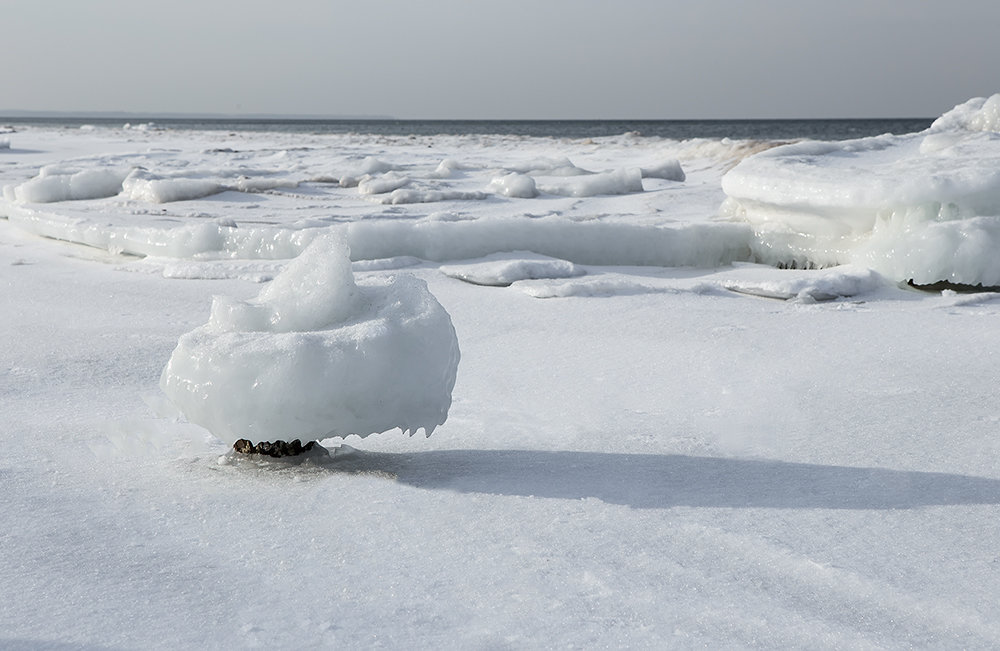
x=317 y=354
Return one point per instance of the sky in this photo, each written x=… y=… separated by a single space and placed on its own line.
x=500 y=59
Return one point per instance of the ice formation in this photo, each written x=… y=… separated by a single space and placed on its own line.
x=55 y=184
x=621 y=181
x=922 y=207
x=142 y=186
x=317 y=354
x=514 y=185
x=669 y=170
x=503 y=269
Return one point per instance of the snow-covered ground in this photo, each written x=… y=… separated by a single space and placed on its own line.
x=653 y=441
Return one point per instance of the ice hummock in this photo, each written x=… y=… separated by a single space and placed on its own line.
x=317 y=354
x=923 y=207
x=504 y=269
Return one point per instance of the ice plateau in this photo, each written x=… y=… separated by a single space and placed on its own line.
x=923 y=207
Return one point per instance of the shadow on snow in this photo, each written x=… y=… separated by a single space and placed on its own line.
x=663 y=481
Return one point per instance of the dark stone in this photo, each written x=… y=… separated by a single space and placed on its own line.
x=277 y=449
x=955 y=287
x=243 y=446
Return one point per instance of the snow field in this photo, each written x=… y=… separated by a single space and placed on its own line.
x=715 y=455
x=442 y=199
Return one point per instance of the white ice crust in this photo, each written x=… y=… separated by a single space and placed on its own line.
x=504 y=269
x=317 y=354
x=53 y=184
x=922 y=207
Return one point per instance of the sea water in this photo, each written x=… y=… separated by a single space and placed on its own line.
x=815 y=129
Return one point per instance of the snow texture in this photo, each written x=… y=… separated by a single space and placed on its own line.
x=652 y=457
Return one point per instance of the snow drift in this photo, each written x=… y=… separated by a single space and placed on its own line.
x=317 y=355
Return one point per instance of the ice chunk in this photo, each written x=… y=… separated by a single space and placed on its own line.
x=922 y=207
x=144 y=186
x=669 y=170
x=317 y=354
x=372 y=165
x=815 y=285
x=248 y=184
x=381 y=184
x=502 y=269
x=405 y=196
x=549 y=167
x=621 y=181
x=447 y=168
x=56 y=185
x=977 y=114
x=514 y=185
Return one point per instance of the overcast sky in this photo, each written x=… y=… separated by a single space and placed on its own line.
x=510 y=59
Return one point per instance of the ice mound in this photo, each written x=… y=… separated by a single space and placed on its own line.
x=317 y=354
x=668 y=170
x=140 y=185
x=53 y=184
x=922 y=207
x=622 y=181
x=807 y=286
x=405 y=196
x=978 y=114
x=514 y=185
x=381 y=184
x=503 y=269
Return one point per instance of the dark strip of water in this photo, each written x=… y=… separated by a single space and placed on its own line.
x=818 y=129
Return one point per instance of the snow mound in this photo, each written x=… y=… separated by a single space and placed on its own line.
x=668 y=170
x=545 y=166
x=317 y=354
x=405 y=196
x=447 y=168
x=922 y=207
x=623 y=181
x=825 y=285
x=977 y=114
x=52 y=186
x=143 y=186
x=516 y=185
x=503 y=269
x=382 y=184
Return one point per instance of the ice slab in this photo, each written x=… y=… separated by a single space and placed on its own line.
x=503 y=269
x=922 y=207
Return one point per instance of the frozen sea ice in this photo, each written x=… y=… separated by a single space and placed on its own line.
x=318 y=354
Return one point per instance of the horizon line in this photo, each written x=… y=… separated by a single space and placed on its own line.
x=172 y=115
